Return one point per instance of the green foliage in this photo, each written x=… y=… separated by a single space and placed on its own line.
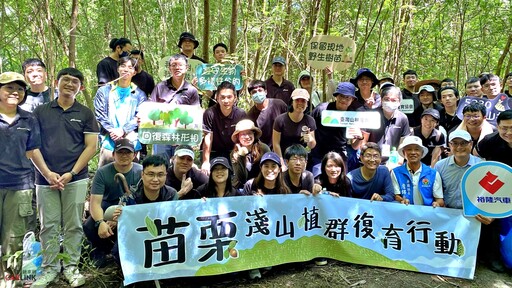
x=430 y=30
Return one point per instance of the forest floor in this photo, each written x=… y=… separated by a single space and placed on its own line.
x=307 y=274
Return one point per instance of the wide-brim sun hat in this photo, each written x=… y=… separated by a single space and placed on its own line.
x=362 y=72
x=411 y=140
x=244 y=125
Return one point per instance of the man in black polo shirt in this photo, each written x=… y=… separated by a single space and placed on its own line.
x=69 y=134
x=219 y=124
x=175 y=90
x=183 y=176
x=410 y=78
x=497 y=147
x=277 y=86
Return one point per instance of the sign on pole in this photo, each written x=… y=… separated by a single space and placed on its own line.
x=334 y=52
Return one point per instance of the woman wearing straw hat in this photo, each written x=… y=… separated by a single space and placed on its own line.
x=247 y=152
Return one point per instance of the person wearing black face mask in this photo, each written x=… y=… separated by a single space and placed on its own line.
x=106 y=70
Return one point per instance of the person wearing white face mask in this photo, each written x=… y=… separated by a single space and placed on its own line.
x=394 y=124
x=264 y=110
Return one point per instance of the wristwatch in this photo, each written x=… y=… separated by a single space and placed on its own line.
x=73 y=173
x=98 y=223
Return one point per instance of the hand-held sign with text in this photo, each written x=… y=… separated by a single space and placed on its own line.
x=170 y=124
x=209 y=76
x=334 y=52
x=351 y=119
x=486 y=190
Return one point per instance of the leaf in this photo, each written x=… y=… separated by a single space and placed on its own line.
x=460 y=249
x=301 y=222
x=150 y=224
x=232 y=244
x=226 y=254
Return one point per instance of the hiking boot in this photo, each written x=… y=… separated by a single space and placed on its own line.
x=321 y=261
x=45 y=279
x=75 y=279
x=254 y=274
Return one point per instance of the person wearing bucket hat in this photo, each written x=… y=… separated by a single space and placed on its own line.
x=333 y=138
x=430 y=136
x=188 y=43
x=427 y=96
x=277 y=86
x=415 y=182
x=220 y=182
x=20 y=143
x=265 y=110
x=247 y=152
x=270 y=179
x=294 y=127
x=367 y=99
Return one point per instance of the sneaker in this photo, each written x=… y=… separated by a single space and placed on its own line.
x=74 y=277
x=45 y=279
x=321 y=261
x=254 y=274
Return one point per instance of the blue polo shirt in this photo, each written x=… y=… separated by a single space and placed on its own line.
x=63 y=136
x=15 y=140
x=451 y=175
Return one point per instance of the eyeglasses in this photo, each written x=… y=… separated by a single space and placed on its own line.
x=155 y=175
x=298 y=159
x=460 y=144
x=472 y=117
x=177 y=65
x=372 y=156
x=505 y=129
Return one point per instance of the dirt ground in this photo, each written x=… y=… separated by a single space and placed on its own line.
x=335 y=274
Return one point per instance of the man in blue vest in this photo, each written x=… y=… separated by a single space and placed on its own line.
x=415 y=182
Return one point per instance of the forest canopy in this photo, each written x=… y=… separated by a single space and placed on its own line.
x=438 y=39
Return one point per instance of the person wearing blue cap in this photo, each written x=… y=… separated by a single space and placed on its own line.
x=270 y=180
x=332 y=138
x=367 y=99
x=277 y=86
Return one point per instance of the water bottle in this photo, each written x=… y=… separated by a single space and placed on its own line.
x=393 y=157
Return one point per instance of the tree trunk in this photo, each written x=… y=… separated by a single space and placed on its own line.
x=233 y=32
x=72 y=33
x=206 y=32
x=327 y=25
x=49 y=53
x=462 y=16
x=506 y=51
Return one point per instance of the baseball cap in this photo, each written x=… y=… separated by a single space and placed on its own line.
x=427 y=88
x=9 y=77
x=184 y=150
x=432 y=112
x=346 y=89
x=279 y=59
x=459 y=134
x=220 y=161
x=124 y=144
x=270 y=156
x=300 y=93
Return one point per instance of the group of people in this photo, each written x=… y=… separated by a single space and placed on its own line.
x=278 y=146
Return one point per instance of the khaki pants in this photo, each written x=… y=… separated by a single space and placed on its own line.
x=55 y=207
x=16 y=207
